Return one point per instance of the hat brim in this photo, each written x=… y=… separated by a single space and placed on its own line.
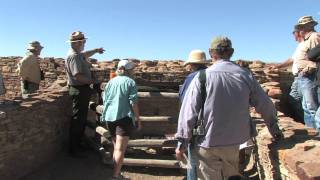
x=314 y=23
x=194 y=62
x=34 y=48
x=77 y=40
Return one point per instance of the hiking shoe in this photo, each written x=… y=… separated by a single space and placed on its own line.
x=120 y=177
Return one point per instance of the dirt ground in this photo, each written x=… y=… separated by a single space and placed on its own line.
x=91 y=168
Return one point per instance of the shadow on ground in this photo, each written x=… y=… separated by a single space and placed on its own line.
x=65 y=167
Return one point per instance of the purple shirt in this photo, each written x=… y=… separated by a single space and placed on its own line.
x=231 y=90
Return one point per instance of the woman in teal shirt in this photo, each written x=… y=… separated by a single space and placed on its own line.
x=121 y=111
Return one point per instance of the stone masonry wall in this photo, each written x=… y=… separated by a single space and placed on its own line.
x=53 y=69
x=32 y=136
x=161 y=74
x=32 y=132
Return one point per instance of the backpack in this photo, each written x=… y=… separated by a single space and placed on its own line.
x=199 y=129
x=314 y=54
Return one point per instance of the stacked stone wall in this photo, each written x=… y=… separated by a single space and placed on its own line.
x=32 y=131
x=53 y=69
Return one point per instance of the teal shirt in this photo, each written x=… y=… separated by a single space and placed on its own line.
x=119 y=95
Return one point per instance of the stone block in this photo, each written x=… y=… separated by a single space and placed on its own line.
x=275 y=93
x=309 y=171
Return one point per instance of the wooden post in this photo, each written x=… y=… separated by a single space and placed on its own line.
x=151 y=163
x=152 y=143
x=158 y=95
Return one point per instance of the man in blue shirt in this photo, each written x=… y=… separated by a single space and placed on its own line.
x=196 y=62
x=230 y=91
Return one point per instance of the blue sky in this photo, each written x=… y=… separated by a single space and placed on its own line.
x=150 y=29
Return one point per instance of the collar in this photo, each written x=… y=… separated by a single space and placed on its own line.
x=307 y=36
x=220 y=60
x=31 y=54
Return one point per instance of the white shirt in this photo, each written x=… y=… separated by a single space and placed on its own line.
x=297 y=53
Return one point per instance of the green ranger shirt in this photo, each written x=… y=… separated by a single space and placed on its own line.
x=119 y=95
x=76 y=63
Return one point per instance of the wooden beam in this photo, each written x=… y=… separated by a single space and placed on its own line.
x=156 y=118
x=158 y=95
x=103 y=132
x=151 y=163
x=152 y=143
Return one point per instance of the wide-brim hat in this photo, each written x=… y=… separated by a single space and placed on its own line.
x=307 y=20
x=34 y=45
x=196 y=57
x=77 y=36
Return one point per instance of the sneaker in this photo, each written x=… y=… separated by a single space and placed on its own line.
x=120 y=177
x=92 y=106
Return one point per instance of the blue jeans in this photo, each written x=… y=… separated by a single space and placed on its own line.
x=192 y=173
x=295 y=100
x=295 y=92
x=310 y=103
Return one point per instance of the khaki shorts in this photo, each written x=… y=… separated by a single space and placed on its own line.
x=218 y=163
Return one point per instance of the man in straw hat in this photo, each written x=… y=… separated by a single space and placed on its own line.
x=29 y=69
x=79 y=80
x=230 y=91
x=195 y=62
x=307 y=78
x=295 y=95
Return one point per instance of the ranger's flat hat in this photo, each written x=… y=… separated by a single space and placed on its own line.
x=77 y=36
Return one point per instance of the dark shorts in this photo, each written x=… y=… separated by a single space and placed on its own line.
x=121 y=127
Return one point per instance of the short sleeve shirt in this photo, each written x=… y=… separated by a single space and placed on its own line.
x=29 y=68
x=295 y=58
x=76 y=63
x=312 y=40
x=119 y=95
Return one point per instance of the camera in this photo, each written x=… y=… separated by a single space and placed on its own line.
x=199 y=130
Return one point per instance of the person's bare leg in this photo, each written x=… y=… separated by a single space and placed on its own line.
x=118 y=153
x=114 y=145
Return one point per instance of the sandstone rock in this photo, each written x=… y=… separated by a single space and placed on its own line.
x=275 y=93
x=309 y=171
x=256 y=64
x=275 y=84
x=149 y=63
x=6 y=69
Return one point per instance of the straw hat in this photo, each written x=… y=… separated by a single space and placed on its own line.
x=76 y=36
x=196 y=57
x=34 y=45
x=307 y=20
